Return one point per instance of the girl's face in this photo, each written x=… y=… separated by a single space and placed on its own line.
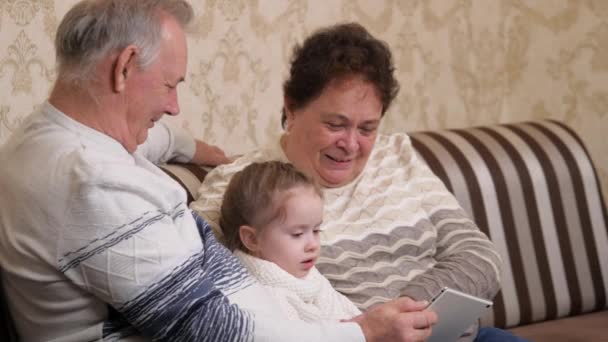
x=292 y=241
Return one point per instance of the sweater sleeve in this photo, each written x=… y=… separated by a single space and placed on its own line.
x=129 y=243
x=165 y=143
x=465 y=258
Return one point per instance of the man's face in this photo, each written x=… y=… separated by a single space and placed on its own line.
x=331 y=138
x=153 y=90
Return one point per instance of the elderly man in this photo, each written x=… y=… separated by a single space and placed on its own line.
x=95 y=241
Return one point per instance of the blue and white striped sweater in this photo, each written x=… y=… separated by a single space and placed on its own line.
x=100 y=245
x=189 y=302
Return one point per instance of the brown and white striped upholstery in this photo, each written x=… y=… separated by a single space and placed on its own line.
x=533 y=189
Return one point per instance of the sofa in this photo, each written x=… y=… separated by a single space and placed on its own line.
x=532 y=188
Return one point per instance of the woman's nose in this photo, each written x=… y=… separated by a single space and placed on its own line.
x=349 y=141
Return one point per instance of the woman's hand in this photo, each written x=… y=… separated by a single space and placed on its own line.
x=401 y=319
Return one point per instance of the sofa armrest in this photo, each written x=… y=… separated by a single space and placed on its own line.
x=189 y=176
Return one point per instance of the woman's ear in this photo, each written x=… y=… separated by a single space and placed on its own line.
x=249 y=238
x=123 y=67
x=288 y=113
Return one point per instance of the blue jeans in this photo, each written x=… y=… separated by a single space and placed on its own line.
x=489 y=334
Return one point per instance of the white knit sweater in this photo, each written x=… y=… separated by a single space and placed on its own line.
x=310 y=299
x=98 y=243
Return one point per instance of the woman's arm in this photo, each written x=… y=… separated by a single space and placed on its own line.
x=466 y=259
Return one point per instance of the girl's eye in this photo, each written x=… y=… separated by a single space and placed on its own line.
x=296 y=234
x=316 y=231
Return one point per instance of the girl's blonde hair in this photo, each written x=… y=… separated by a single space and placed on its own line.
x=255 y=197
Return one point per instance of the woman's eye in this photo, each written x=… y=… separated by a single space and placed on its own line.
x=334 y=126
x=367 y=130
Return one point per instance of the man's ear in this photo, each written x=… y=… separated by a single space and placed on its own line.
x=249 y=238
x=126 y=62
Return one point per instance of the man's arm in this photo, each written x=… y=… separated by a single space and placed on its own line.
x=128 y=243
x=210 y=155
x=165 y=143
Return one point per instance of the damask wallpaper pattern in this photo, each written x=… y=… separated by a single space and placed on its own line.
x=460 y=63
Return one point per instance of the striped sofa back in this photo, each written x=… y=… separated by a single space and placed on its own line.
x=532 y=188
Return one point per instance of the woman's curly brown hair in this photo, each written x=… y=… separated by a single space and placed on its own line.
x=335 y=52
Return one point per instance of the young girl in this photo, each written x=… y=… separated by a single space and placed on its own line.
x=270 y=216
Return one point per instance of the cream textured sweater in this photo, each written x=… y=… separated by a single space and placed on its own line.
x=395 y=230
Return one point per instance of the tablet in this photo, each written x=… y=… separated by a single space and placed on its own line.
x=456 y=311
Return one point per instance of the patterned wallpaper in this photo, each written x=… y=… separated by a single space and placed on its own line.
x=460 y=63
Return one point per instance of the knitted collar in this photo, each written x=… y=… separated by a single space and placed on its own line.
x=269 y=273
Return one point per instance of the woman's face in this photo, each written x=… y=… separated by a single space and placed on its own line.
x=331 y=137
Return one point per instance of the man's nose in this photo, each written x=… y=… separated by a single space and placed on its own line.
x=173 y=104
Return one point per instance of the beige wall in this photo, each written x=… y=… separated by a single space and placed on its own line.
x=460 y=63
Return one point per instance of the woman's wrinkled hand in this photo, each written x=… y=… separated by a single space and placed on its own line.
x=402 y=319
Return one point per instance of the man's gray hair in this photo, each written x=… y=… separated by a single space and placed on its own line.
x=93 y=29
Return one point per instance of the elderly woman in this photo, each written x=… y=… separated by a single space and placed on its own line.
x=391 y=229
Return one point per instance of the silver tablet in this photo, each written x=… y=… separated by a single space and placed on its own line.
x=456 y=311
